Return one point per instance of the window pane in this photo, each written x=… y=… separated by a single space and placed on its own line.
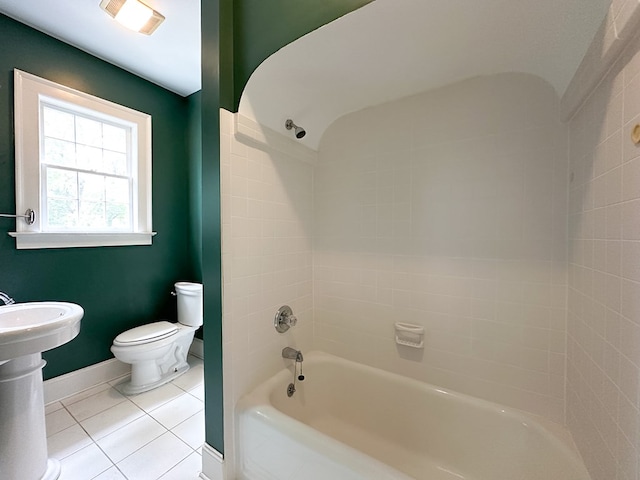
x=61 y=213
x=114 y=138
x=90 y=158
x=91 y=200
x=118 y=197
x=115 y=163
x=59 y=152
x=92 y=215
x=118 y=216
x=88 y=132
x=117 y=190
x=83 y=200
x=62 y=184
x=58 y=124
x=91 y=187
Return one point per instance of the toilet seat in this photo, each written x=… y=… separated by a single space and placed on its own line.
x=148 y=333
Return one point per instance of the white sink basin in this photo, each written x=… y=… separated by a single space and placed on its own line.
x=27 y=328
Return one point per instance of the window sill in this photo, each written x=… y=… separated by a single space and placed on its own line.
x=35 y=240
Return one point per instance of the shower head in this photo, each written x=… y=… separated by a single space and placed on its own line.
x=299 y=131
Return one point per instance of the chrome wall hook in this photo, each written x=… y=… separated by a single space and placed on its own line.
x=29 y=216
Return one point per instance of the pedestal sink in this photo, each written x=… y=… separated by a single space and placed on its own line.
x=27 y=330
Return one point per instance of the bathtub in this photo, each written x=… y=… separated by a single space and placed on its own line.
x=348 y=421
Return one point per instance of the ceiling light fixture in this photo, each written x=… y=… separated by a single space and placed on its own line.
x=133 y=14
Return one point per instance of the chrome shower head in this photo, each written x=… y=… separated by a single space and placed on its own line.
x=299 y=131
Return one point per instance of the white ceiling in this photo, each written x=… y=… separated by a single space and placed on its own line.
x=386 y=50
x=390 y=49
x=170 y=57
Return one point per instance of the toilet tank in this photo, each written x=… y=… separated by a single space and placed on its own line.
x=189 y=303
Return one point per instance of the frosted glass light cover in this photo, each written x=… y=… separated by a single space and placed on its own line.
x=134 y=15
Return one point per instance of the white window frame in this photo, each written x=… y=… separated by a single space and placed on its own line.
x=29 y=92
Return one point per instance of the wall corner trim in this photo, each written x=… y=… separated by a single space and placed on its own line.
x=212 y=464
x=253 y=134
x=616 y=31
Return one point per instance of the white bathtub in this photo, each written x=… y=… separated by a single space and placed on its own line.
x=348 y=421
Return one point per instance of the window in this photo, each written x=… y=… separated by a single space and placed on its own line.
x=83 y=164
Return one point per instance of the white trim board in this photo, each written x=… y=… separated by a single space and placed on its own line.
x=212 y=464
x=57 y=388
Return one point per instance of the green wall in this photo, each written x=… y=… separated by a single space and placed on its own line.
x=119 y=287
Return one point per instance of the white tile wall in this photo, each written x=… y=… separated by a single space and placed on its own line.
x=449 y=210
x=603 y=404
x=266 y=255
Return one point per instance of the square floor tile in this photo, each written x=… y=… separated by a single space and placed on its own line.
x=155 y=458
x=89 y=392
x=157 y=397
x=58 y=420
x=188 y=469
x=52 y=407
x=125 y=441
x=177 y=411
x=85 y=464
x=198 y=392
x=112 y=474
x=192 y=378
x=111 y=419
x=62 y=444
x=94 y=404
x=191 y=431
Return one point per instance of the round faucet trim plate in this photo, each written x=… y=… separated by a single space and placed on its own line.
x=284 y=319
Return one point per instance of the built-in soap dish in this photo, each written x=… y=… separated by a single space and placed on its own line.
x=409 y=335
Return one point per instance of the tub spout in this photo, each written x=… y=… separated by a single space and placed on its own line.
x=292 y=354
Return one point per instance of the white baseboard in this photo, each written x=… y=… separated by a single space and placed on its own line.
x=57 y=388
x=212 y=464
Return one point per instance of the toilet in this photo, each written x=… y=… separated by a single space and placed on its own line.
x=158 y=351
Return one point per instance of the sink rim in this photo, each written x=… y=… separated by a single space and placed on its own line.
x=71 y=314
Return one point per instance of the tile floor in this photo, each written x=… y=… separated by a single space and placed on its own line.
x=100 y=434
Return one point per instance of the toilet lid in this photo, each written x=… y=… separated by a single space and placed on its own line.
x=146 y=333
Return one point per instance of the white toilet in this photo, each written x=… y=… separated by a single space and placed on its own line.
x=158 y=351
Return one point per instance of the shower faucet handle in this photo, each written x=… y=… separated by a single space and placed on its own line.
x=284 y=319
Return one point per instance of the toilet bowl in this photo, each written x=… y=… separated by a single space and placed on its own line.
x=158 y=351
